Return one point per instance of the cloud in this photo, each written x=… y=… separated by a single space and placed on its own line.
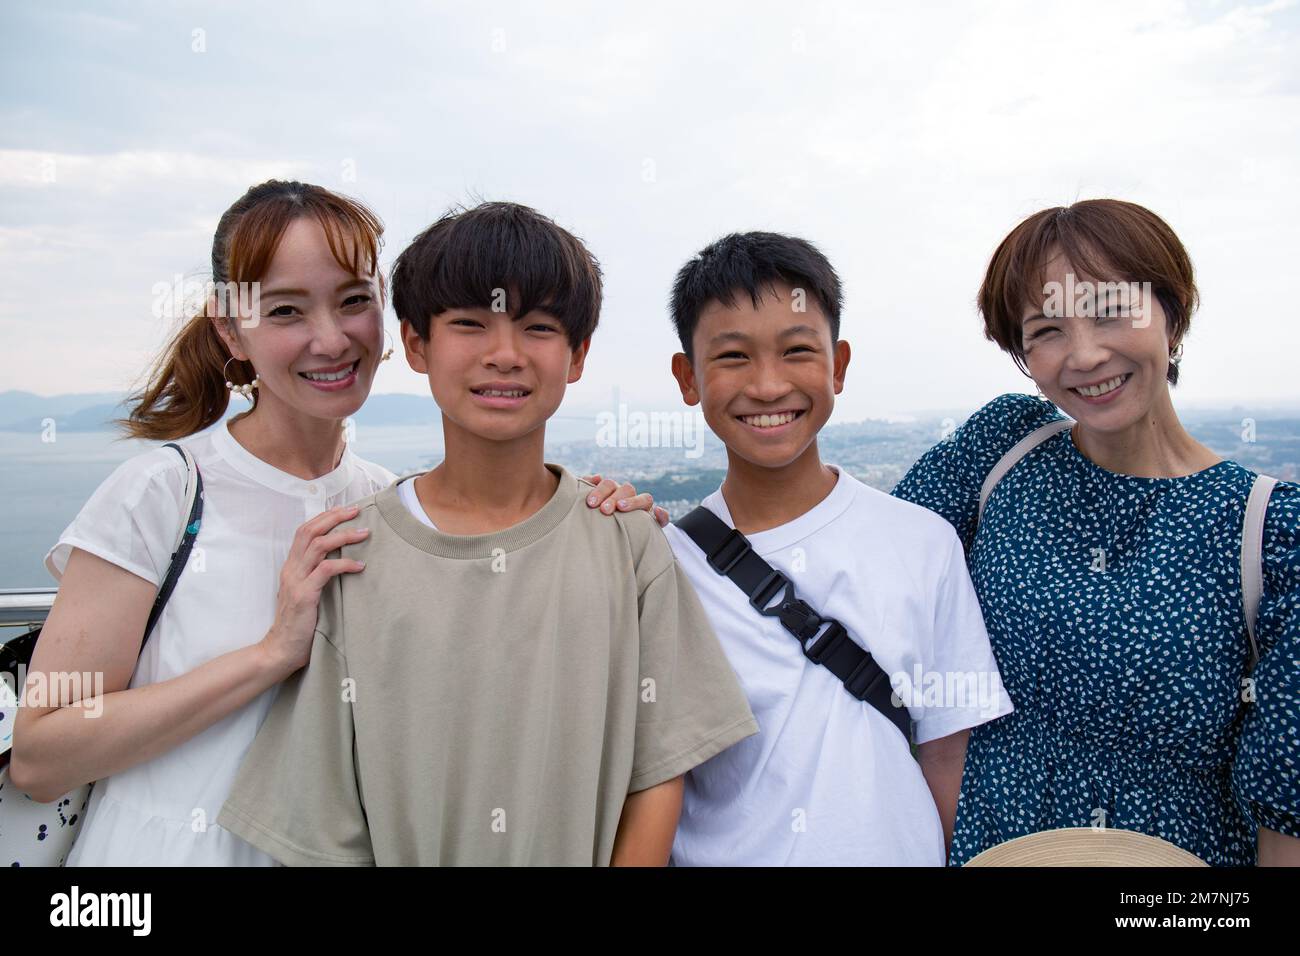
x=905 y=142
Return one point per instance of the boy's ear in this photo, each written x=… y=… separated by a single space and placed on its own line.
x=414 y=347
x=685 y=375
x=842 y=355
x=578 y=358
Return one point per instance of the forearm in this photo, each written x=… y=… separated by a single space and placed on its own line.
x=106 y=733
x=648 y=825
x=1278 y=849
x=942 y=762
x=945 y=785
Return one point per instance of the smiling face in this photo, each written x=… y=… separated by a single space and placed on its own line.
x=766 y=376
x=495 y=377
x=1104 y=365
x=315 y=340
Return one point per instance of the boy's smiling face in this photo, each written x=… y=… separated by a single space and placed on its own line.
x=493 y=376
x=766 y=376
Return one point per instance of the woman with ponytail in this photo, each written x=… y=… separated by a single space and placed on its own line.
x=295 y=323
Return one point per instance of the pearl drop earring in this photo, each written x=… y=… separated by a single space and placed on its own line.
x=245 y=390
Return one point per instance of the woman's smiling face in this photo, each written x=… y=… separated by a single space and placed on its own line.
x=317 y=335
x=1104 y=362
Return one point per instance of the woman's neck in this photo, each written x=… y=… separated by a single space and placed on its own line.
x=1155 y=446
x=299 y=445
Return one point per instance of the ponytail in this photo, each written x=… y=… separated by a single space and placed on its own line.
x=186 y=387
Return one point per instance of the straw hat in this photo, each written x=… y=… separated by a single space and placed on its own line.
x=1085 y=846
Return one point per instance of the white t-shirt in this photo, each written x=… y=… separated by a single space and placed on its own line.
x=406 y=492
x=164 y=812
x=829 y=780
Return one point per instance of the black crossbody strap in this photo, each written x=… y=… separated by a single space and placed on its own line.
x=729 y=553
x=194 y=493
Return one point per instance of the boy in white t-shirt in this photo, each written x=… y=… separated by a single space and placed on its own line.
x=829 y=778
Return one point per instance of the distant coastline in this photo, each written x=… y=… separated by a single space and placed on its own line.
x=45 y=482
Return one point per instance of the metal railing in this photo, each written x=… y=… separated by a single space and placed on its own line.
x=25 y=607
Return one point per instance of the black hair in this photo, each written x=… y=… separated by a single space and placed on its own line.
x=749 y=262
x=470 y=258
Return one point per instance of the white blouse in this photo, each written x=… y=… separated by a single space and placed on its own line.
x=163 y=812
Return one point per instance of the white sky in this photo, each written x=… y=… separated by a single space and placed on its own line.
x=905 y=139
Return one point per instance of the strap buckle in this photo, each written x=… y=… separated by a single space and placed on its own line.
x=795 y=615
x=826 y=645
x=864 y=678
x=734 y=547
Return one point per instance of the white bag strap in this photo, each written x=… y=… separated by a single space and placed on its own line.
x=1018 y=451
x=1252 y=529
x=1252 y=555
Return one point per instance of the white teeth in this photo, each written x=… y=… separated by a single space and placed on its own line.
x=497 y=393
x=329 y=376
x=769 y=421
x=1092 y=391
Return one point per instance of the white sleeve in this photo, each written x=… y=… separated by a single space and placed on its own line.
x=132 y=520
x=963 y=685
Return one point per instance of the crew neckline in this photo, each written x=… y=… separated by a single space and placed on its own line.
x=473 y=546
x=1077 y=453
x=797 y=529
x=267 y=475
x=406 y=492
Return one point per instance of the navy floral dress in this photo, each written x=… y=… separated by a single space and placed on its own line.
x=1113 y=604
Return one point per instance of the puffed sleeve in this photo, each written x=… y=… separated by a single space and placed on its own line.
x=1266 y=771
x=948 y=477
x=133 y=519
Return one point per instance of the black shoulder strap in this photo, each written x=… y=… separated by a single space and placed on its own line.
x=182 y=553
x=729 y=553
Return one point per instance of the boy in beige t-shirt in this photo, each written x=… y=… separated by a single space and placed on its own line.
x=514 y=678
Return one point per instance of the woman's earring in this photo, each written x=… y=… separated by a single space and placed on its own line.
x=245 y=390
x=389 y=351
x=1176 y=353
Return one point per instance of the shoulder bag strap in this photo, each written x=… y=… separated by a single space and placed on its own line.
x=1252 y=557
x=190 y=531
x=1016 y=452
x=729 y=554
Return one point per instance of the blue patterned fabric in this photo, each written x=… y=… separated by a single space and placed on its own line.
x=1114 y=608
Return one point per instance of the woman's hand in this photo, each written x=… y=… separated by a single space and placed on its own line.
x=608 y=494
x=305 y=573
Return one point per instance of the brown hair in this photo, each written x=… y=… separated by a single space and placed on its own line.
x=1106 y=238
x=186 y=386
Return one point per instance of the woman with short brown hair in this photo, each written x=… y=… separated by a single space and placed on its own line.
x=1109 y=564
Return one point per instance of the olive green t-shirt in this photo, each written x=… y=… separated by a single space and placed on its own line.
x=488 y=699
